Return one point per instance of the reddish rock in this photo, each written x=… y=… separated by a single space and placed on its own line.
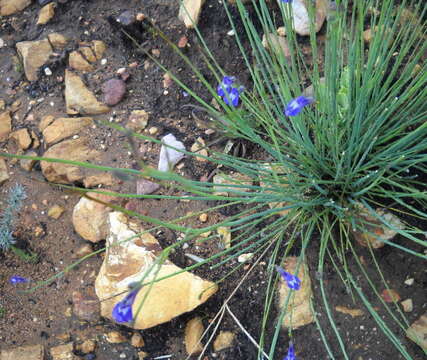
x=114 y=90
x=390 y=295
x=85 y=307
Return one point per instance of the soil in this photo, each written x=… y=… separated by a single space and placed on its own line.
x=44 y=316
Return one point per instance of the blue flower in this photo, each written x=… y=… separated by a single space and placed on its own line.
x=291 y=353
x=293 y=282
x=122 y=311
x=229 y=93
x=296 y=105
x=286 y=1
x=18 y=279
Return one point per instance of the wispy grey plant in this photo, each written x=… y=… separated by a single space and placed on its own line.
x=7 y=219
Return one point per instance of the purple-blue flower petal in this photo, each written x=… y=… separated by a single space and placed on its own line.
x=228 y=92
x=122 y=311
x=292 y=281
x=286 y=1
x=291 y=353
x=18 y=279
x=295 y=106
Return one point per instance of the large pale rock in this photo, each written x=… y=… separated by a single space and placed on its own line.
x=58 y=41
x=28 y=352
x=78 y=62
x=375 y=231
x=298 y=312
x=90 y=218
x=189 y=12
x=22 y=138
x=75 y=150
x=10 y=7
x=301 y=19
x=418 y=332
x=128 y=259
x=79 y=99
x=224 y=340
x=34 y=55
x=64 y=127
x=63 y=352
x=276 y=44
x=5 y=125
x=46 y=13
x=4 y=175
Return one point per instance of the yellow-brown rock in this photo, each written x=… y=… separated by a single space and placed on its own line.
x=75 y=150
x=10 y=7
x=22 y=138
x=189 y=12
x=4 y=174
x=78 y=62
x=46 y=13
x=193 y=334
x=79 y=99
x=90 y=218
x=298 y=311
x=418 y=332
x=277 y=44
x=99 y=48
x=199 y=147
x=5 y=125
x=63 y=352
x=65 y=127
x=34 y=54
x=28 y=352
x=57 y=40
x=88 y=53
x=224 y=340
x=55 y=212
x=127 y=260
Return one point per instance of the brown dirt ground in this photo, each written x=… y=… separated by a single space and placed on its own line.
x=42 y=316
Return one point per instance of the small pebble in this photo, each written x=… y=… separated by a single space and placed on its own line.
x=245 y=257
x=114 y=90
x=140 y=17
x=231 y=32
x=182 y=42
x=153 y=130
x=407 y=305
x=203 y=217
x=47 y=71
x=409 y=281
x=103 y=61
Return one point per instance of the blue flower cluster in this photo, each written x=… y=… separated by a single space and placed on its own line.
x=16 y=279
x=291 y=353
x=292 y=281
x=228 y=92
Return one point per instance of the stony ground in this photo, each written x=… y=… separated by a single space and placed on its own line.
x=66 y=72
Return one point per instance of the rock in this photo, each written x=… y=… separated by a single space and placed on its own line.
x=142 y=355
x=199 y=147
x=88 y=346
x=114 y=337
x=28 y=352
x=22 y=138
x=58 y=41
x=99 y=48
x=169 y=157
x=146 y=187
x=63 y=352
x=376 y=232
x=46 y=13
x=28 y=164
x=221 y=181
x=224 y=340
x=114 y=90
x=88 y=53
x=79 y=99
x=245 y=257
x=182 y=42
x=4 y=175
x=2 y=103
x=65 y=127
x=136 y=340
x=5 y=125
x=75 y=150
x=55 y=212
x=418 y=332
x=127 y=260
x=85 y=307
x=352 y=312
x=34 y=55
x=104 y=178
x=367 y=35
x=309 y=90
x=301 y=20
x=78 y=62
x=277 y=44
x=298 y=311
x=409 y=281
x=90 y=217
x=390 y=295
x=10 y=7
x=407 y=305
x=137 y=121
x=83 y=250
x=45 y=122
x=126 y=18
x=203 y=217
x=225 y=236
x=193 y=335
x=189 y=12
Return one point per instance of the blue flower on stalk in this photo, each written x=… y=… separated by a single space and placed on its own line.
x=286 y=1
x=291 y=353
x=18 y=279
x=291 y=280
x=296 y=105
x=229 y=93
x=122 y=311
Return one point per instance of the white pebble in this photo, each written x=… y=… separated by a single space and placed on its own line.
x=103 y=61
x=409 y=281
x=231 y=32
x=47 y=71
